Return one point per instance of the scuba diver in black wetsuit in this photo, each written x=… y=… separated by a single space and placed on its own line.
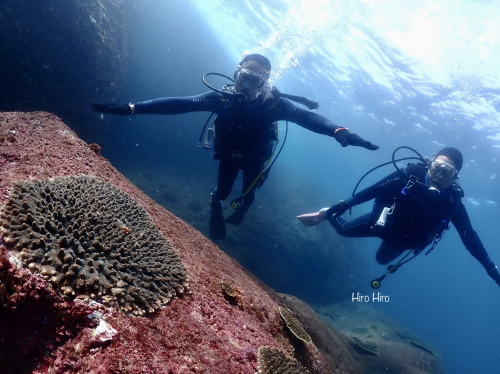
x=412 y=209
x=245 y=131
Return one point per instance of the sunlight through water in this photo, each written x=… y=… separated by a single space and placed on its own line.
x=443 y=55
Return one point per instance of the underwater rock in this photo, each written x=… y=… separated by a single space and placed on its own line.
x=416 y=344
x=375 y=342
x=60 y=56
x=364 y=347
x=328 y=352
x=46 y=329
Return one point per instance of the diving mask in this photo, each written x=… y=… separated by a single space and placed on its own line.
x=443 y=170
x=247 y=77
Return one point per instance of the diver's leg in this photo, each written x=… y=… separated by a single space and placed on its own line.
x=388 y=251
x=358 y=228
x=217 y=226
x=226 y=176
x=228 y=171
x=251 y=171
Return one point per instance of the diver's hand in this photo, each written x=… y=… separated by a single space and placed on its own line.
x=345 y=138
x=336 y=210
x=493 y=273
x=122 y=109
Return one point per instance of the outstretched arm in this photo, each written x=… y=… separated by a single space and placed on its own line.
x=321 y=125
x=206 y=102
x=472 y=242
x=391 y=184
x=388 y=185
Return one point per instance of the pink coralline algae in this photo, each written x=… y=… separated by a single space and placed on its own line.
x=34 y=318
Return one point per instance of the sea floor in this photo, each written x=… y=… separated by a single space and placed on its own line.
x=383 y=345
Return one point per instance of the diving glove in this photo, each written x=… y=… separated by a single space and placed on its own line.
x=336 y=210
x=345 y=138
x=120 y=109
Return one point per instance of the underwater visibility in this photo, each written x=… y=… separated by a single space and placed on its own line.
x=336 y=113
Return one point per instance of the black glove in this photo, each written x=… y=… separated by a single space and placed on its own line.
x=493 y=273
x=337 y=210
x=345 y=138
x=122 y=110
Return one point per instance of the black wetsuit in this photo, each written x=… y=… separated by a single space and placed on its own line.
x=245 y=133
x=418 y=215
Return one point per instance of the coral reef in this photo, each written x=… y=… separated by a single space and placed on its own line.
x=294 y=325
x=275 y=361
x=44 y=330
x=91 y=239
x=232 y=292
x=329 y=352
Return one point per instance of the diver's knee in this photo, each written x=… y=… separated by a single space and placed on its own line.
x=383 y=258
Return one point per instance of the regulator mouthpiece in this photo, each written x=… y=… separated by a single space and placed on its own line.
x=434 y=190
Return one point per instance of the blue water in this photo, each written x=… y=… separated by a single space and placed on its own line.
x=421 y=74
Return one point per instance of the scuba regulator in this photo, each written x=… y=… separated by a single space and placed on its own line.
x=241 y=96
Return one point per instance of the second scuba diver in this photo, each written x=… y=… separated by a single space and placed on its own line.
x=244 y=130
x=412 y=209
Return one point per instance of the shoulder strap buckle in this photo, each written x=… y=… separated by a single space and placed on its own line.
x=411 y=181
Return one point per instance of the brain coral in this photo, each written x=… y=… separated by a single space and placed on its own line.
x=91 y=239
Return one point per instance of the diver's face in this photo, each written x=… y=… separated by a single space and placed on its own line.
x=442 y=172
x=250 y=78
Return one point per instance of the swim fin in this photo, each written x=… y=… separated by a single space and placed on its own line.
x=312 y=219
x=237 y=217
x=217 y=224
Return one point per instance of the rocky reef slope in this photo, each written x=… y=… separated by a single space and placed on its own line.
x=95 y=277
